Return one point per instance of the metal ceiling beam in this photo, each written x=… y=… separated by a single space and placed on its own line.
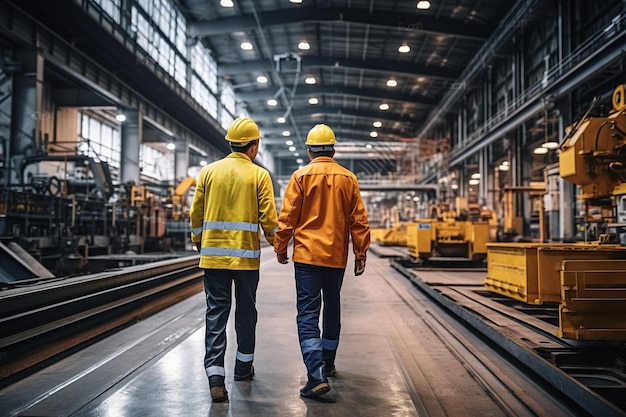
x=79 y=97
x=375 y=65
x=320 y=110
x=402 y=22
x=317 y=90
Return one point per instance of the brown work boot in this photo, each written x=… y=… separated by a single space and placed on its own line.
x=219 y=394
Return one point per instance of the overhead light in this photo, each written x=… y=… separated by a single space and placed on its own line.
x=392 y=82
x=296 y=1
x=476 y=175
x=246 y=46
x=310 y=80
x=423 y=5
x=313 y=100
x=540 y=151
x=226 y=3
x=171 y=146
x=289 y=142
x=203 y=163
x=550 y=145
x=292 y=148
x=384 y=106
x=369 y=146
x=404 y=49
x=120 y=117
x=503 y=166
x=272 y=102
x=373 y=134
x=261 y=79
x=281 y=120
x=304 y=45
x=377 y=124
x=416 y=199
x=296 y=154
x=286 y=133
x=474 y=182
x=454 y=186
x=299 y=160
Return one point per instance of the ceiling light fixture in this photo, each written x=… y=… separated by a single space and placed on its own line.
x=272 y=102
x=310 y=80
x=171 y=146
x=281 y=120
x=304 y=45
x=292 y=148
x=286 y=133
x=384 y=106
x=423 y=5
x=392 y=82
x=246 y=46
x=226 y=3
x=369 y=146
x=261 y=79
x=313 y=100
x=540 y=151
x=377 y=124
x=120 y=117
x=289 y=142
x=551 y=145
x=296 y=1
x=373 y=134
x=474 y=182
x=404 y=49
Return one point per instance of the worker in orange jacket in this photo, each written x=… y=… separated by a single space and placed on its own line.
x=322 y=208
x=233 y=197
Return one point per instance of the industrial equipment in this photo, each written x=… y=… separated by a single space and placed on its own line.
x=65 y=209
x=585 y=278
x=451 y=234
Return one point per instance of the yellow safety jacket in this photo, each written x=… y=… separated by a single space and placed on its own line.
x=233 y=197
x=322 y=208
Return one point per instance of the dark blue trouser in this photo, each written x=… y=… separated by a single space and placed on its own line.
x=314 y=283
x=218 y=289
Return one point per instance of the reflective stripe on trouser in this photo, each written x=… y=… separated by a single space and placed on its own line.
x=217 y=287
x=312 y=284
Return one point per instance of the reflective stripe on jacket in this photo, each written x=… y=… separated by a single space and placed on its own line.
x=233 y=197
x=322 y=208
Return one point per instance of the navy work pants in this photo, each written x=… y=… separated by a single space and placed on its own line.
x=218 y=290
x=314 y=284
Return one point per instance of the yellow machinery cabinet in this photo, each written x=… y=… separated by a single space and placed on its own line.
x=594 y=300
x=529 y=272
x=419 y=237
x=479 y=239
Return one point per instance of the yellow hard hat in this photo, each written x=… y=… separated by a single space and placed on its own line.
x=320 y=135
x=243 y=130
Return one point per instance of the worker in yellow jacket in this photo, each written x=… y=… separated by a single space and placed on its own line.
x=322 y=208
x=233 y=197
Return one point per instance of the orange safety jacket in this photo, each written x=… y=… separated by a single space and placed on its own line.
x=233 y=196
x=322 y=208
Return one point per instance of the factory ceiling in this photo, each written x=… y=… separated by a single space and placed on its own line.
x=337 y=62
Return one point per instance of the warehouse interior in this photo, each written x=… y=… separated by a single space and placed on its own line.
x=488 y=138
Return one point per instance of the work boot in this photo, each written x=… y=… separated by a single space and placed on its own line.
x=329 y=370
x=316 y=385
x=243 y=370
x=218 y=389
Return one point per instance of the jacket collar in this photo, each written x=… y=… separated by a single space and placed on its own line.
x=240 y=155
x=323 y=159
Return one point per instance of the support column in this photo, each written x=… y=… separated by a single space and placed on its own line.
x=181 y=160
x=131 y=139
x=26 y=110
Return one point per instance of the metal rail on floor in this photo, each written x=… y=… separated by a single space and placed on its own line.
x=40 y=321
x=583 y=395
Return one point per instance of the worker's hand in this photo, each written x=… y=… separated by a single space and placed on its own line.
x=359 y=267
x=282 y=258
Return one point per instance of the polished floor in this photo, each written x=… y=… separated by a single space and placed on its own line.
x=394 y=359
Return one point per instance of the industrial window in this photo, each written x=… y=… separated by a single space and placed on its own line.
x=100 y=139
x=156 y=166
x=110 y=7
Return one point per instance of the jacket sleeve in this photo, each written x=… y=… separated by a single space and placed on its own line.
x=359 y=225
x=267 y=207
x=289 y=215
x=196 y=211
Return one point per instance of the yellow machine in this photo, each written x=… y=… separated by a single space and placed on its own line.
x=459 y=234
x=587 y=279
